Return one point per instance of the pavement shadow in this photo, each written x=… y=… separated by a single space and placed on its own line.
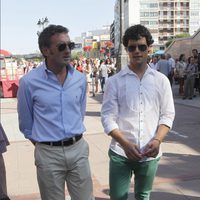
x=179 y=169
x=167 y=196
x=187 y=125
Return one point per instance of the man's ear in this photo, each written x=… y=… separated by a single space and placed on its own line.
x=45 y=51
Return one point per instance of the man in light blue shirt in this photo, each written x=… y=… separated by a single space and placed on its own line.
x=163 y=66
x=51 y=109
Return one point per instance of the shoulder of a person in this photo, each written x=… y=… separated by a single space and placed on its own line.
x=34 y=73
x=78 y=73
x=160 y=78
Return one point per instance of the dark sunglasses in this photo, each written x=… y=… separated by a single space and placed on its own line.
x=63 y=46
x=141 y=47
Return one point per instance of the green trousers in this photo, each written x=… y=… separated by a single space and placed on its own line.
x=121 y=170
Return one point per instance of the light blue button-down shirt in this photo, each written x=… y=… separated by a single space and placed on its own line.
x=49 y=111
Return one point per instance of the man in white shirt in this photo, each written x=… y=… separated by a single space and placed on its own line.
x=137 y=112
x=154 y=63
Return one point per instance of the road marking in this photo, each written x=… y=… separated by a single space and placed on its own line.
x=178 y=134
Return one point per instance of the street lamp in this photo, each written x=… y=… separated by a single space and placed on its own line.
x=42 y=23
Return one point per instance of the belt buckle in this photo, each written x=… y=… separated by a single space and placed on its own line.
x=73 y=139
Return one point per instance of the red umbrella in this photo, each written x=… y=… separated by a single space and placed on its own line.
x=4 y=53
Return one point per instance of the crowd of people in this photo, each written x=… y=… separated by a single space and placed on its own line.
x=182 y=71
x=96 y=71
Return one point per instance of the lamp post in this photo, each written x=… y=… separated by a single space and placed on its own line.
x=42 y=23
x=122 y=58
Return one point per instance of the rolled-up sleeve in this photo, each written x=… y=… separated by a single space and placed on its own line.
x=167 y=111
x=109 y=110
x=24 y=108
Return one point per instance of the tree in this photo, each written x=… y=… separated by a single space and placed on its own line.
x=77 y=55
x=181 y=35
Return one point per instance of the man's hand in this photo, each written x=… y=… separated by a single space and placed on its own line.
x=152 y=148
x=132 y=151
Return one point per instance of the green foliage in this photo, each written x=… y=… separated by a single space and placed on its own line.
x=77 y=54
x=182 y=35
x=169 y=42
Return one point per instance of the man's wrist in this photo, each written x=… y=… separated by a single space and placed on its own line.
x=157 y=140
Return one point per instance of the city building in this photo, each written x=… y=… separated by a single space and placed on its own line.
x=164 y=18
x=96 y=43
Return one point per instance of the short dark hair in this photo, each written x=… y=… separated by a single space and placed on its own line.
x=44 y=39
x=181 y=57
x=135 y=33
x=195 y=50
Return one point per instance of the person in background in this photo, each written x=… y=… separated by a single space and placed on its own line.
x=189 y=78
x=79 y=66
x=163 y=65
x=3 y=144
x=96 y=75
x=137 y=112
x=172 y=64
x=51 y=109
x=103 y=70
x=154 y=63
x=88 y=74
x=180 y=69
x=110 y=67
x=196 y=56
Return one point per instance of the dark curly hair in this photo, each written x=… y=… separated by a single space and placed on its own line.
x=44 y=39
x=135 y=33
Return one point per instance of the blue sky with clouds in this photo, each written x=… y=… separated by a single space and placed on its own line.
x=19 y=19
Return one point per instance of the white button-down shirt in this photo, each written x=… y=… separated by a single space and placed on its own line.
x=137 y=107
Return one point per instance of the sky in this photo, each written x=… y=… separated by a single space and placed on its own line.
x=19 y=20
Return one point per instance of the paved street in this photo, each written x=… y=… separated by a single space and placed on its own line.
x=178 y=176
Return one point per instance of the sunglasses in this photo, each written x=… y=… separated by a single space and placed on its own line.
x=141 y=47
x=63 y=46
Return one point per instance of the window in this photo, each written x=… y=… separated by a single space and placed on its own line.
x=153 y=14
x=153 y=5
x=153 y=22
x=194 y=13
x=144 y=14
x=145 y=23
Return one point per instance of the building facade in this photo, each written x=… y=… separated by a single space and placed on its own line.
x=164 y=18
x=96 y=43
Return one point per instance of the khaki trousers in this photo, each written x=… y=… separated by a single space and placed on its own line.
x=57 y=165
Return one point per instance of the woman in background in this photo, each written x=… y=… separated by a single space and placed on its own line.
x=180 y=69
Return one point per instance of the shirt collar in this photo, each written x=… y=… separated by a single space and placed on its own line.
x=126 y=70
x=46 y=71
